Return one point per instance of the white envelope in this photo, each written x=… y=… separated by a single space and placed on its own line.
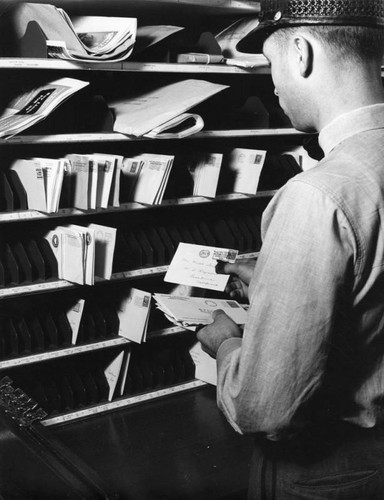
x=31 y=177
x=205 y=366
x=152 y=179
x=105 y=239
x=79 y=173
x=72 y=255
x=54 y=239
x=133 y=312
x=87 y=238
x=206 y=174
x=247 y=165
x=74 y=315
x=194 y=265
x=92 y=182
x=112 y=373
x=106 y=167
x=123 y=373
x=53 y=171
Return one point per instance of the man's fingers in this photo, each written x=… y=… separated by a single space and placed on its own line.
x=217 y=313
x=226 y=268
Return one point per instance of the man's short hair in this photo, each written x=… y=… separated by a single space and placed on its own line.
x=345 y=42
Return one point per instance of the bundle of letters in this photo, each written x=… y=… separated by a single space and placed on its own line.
x=83 y=181
x=145 y=177
x=190 y=312
x=133 y=311
x=92 y=180
x=42 y=180
x=205 y=172
x=83 y=252
x=245 y=166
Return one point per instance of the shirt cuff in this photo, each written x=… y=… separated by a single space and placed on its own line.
x=227 y=347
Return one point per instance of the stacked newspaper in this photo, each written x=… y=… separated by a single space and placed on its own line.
x=83 y=252
x=147 y=176
x=80 y=38
x=190 y=312
x=34 y=105
x=101 y=38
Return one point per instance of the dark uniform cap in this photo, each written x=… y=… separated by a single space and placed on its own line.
x=275 y=14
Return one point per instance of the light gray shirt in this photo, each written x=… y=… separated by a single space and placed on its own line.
x=315 y=327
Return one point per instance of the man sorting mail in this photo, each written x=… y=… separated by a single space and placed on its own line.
x=305 y=378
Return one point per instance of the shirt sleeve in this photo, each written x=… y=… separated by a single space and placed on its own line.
x=299 y=280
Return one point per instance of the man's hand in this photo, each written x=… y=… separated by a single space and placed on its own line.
x=214 y=334
x=241 y=274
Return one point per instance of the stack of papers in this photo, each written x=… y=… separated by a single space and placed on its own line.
x=147 y=176
x=80 y=38
x=34 y=105
x=83 y=252
x=133 y=312
x=190 y=312
x=140 y=114
x=195 y=265
x=93 y=180
x=205 y=171
x=246 y=164
x=42 y=180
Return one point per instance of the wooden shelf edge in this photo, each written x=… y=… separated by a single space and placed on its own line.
x=26 y=215
x=134 y=67
x=122 y=403
x=52 y=286
x=117 y=137
x=79 y=349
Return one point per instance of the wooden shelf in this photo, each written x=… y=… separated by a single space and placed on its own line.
x=116 y=137
x=134 y=67
x=27 y=215
x=53 y=286
x=122 y=403
x=132 y=7
x=79 y=349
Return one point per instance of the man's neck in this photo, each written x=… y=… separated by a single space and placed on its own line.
x=347 y=93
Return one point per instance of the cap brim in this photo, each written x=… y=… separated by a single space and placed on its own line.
x=253 y=42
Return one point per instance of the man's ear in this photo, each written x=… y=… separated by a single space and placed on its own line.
x=304 y=55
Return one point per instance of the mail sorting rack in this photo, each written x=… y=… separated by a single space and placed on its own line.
x=37 y=350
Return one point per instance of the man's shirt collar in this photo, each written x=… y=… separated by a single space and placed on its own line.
x=351 y=123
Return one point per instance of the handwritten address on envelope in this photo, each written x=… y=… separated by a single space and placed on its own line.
x=194 y=265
